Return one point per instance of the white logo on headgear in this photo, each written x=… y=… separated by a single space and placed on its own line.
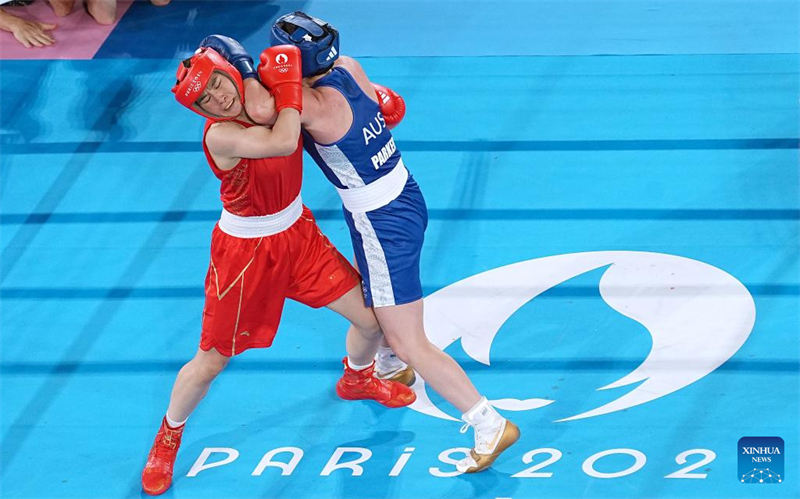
x=331 y=54
x=698 y=316
x=195 y=84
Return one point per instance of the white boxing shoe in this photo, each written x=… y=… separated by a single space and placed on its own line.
x=493 y=435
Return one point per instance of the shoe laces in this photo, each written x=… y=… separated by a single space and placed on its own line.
x=375 y=383
x=167 y=445
x=482 y=438
x=367 y=375
x=368 y=372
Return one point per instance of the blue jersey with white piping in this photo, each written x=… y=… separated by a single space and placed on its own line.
x=367 y=152
x=387 y=240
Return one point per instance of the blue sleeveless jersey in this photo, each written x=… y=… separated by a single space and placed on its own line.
x=387 y=241
x=367 y=152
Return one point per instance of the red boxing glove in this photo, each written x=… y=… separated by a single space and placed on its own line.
x=393 y=107
x=281 y=71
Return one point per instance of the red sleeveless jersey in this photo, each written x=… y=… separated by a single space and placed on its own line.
x=258 y=187
x=249 y=279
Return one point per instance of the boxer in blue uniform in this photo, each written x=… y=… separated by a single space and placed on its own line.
x=346 y=122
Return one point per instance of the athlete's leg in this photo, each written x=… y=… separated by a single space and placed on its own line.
x=403 y=327
x=404 y=330
x=387 y=364
x=190 y=387
x=364 y=335
x=193 y=382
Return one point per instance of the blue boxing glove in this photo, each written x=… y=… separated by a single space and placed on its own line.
x=233 y=52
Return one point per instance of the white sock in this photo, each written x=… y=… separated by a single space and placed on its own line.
x=355 y=366
x=385 y=351
x=388 y=361
x=482 y=415
x=174 y=424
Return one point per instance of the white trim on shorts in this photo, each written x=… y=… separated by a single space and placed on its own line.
x=380 y=281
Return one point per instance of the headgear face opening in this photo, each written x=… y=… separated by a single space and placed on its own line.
x=317 y=40
x=194 y=74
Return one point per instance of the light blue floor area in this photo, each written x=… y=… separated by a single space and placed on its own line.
x=554 y=27
x=518 y=158
x=454 y=28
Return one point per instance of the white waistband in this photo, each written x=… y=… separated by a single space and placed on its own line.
x=268 y=225
x=377 y=194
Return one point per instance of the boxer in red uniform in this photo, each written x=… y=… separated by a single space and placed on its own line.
x=346 y=130
x=265 y=248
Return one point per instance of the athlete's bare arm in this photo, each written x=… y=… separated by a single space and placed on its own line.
x=326 y=114
x=229 y=142
x=260 y=104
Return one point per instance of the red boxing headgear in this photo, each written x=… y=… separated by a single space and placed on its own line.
x=195 y=73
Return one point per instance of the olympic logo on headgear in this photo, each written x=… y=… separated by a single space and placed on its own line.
x=195 y=84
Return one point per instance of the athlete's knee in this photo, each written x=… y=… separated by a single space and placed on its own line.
x=363 y=319
x=368 y=327
x=217 y=364
x=412 y=347
x=209 y=364
x=351 y=306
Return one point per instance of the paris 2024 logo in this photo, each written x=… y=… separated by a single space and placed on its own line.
x=698 y=317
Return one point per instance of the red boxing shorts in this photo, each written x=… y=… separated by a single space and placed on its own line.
x=248 y=281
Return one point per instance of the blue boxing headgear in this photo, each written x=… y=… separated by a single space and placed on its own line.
x=317 y=40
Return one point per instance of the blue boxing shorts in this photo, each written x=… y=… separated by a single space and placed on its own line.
x=388 y=242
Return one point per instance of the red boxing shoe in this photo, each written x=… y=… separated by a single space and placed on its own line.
x=157 y=475
x=363 y=385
